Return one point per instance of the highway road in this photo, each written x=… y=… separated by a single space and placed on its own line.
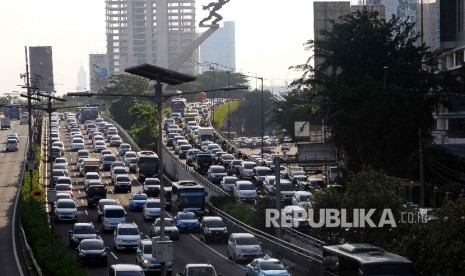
x=189 y=249
x=11 y=165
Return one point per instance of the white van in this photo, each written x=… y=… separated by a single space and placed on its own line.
x=111 y=216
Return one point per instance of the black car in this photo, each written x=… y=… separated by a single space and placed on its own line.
x=94 y=193
x=80 y=232
x=92 y=251
x=213 y=229
x=133 y=166
x=151 y=187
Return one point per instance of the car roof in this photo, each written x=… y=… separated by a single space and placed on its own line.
x=127 y=267
x=236 y=235
x=212 y=218
x=83 y=224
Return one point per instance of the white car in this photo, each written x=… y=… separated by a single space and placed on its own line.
x=115 y=141
x=60 y=145
x=228 y=183
x=117 y=171
x=77 y=144
x=91 y=176
x=65 y=210
x=128 y=156
x=245 y=190
x=99 y=146
x=243 y=246
x=126 y=235
x=300 y=198
x=151 y=209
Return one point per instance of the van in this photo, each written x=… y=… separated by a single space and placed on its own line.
x=111 y=216
x=94 y=194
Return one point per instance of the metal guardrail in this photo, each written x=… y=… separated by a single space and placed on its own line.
x=302 y=252
x=305 y=238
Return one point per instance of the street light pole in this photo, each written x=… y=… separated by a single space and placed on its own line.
x=263 y=130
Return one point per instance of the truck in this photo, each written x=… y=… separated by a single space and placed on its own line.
x=200 y=96
x=90 y=165
x=205 y=133
x=5 y=122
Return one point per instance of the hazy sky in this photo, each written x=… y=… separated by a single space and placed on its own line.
x=270 y=37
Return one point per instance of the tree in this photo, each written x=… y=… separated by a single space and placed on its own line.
x=374 y=79
x=249 y=114
x=144 y=129
x=436 y=248
x=123 y=84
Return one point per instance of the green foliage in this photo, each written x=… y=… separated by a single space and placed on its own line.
x=249 y=113
x=144 y=129
x=369 y=85
x=221 y=114
x=436 y=248
x=366 y=190
x=229 y=205
x=118 y=106
x=52 y=257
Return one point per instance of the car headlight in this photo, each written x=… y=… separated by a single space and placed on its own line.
x=145 y=261
x=225 y=230
x=169 y=264
x=104 y=253
x=118 y=240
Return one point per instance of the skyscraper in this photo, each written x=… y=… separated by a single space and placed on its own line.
x=81 y=79
x=324 y=12
x=149 y=31
x=220 y=47
x=41 y=64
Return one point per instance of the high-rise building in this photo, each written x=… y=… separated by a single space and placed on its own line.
x=81 y=79
x=324 y=13
x=150 y=31
x=41 y=68
x=219 y=48
x=379 y=9
x=99 y=69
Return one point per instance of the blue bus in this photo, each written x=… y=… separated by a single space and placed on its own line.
x=187 y=195
x=178 y=105
x=12 y=111
x=147 y=163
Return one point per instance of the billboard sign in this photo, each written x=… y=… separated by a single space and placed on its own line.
x=318 y=154
x=99 y=71
x=41 y=68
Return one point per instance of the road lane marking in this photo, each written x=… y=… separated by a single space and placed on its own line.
x=86 y=212
x=114 y=256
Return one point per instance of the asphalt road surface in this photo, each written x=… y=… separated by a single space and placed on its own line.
x=11 y=164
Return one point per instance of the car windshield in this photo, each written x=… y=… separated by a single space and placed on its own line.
x=109 y=157
x=151 y=182
x=130 y=155
x=246 y=187
x=148 y=249
x=123 y=179
x=92 y=245
x=139 y=197
x=128 y=231
x=114 y=213
x=84 y=230
x=92 y=176
x=120 y=171
x=249 y=166
x=287 y=187
x=227 y=157
x=153 y=204
x=66 y=204
x=272 y=265
x=214 y=224
x=204 y=271
x=263 y=172
x=218 y=170
x=304 y=197
x=230 y=180
x=246 y=241
x=62 y=187
x=187 y=216
x=168 y=222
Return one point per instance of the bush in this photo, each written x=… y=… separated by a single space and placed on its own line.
x=221 y=113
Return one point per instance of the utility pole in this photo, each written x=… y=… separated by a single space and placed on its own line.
x=422 y=180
